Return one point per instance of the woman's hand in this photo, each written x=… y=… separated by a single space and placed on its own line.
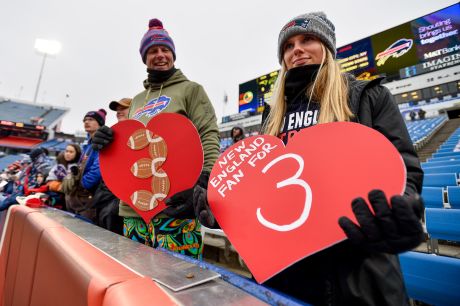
x=392 y=229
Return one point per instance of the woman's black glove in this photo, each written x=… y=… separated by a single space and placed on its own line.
x=192 y=203
x=102 y=137
x=392 y=229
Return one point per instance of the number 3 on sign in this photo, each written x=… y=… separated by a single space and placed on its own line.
x=294 y=180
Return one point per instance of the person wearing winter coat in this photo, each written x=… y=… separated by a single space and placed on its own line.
x=237 y=134
x=39 y=163
x=363 y=270
x=167 y=90
x=82 y=181
x=64 y=162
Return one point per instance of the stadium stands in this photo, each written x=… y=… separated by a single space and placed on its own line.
x=30 y=113
x=7 y=160
x=55 y=145
x=420 y=131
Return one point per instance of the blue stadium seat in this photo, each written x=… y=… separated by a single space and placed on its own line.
x=440 y=180
x=447 y=154
x=430 y=278
x=443 y=224
x=441 y=169
x=433 y=197
x=444 y=150
x=432 y=164
x=447 y=158
x=453 y=196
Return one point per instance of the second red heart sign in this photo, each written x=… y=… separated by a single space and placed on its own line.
x=280 y=204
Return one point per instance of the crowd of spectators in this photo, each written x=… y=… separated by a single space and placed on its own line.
x=70 y=181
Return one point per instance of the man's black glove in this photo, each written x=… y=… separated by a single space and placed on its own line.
x=102 y=137
x=74 y=170
x=192 y=203
x=202 y=210
x=392 y=229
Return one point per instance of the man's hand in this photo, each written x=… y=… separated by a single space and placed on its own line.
x=102 y=137
x=392 y=229
x=192 y=203
x=202 y=210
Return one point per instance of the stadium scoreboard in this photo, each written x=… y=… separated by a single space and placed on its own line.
x=425 y=44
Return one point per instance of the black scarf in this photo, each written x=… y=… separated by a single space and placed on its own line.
x=160 y=76
x=298 y=79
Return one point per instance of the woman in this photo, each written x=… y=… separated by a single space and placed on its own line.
x=64 y=161
x=364 y=269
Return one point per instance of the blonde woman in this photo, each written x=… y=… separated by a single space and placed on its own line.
x=363 y=270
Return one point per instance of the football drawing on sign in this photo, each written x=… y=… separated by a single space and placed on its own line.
x=140 y=139
x=145 y=168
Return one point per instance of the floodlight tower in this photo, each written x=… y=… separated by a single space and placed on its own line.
x=46 y=48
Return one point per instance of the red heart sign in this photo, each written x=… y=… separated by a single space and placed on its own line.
x=280 y=204
x=146 y=164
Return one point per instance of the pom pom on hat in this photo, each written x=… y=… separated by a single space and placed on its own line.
x=99 y=116
x=155 y=23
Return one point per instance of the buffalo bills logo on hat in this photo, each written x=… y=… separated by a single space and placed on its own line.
x=395 y=50
x=153 y=107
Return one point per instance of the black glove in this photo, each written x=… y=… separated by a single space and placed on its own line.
x=202 y=210
x=180 y=205
x=74 y=170
x=392 y=229
x=102 y=137
x=190 y=203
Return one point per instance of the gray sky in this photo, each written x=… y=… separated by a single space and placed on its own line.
x=219 y=44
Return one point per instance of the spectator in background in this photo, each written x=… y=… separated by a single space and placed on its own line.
x=121 y=107
x=412 y=115
x=38 y=186
x=167 y=90
x=421 y=114
x=64 y=161
x=80 y=185
x=105 y=202
x=237 y=134
x=39 y=163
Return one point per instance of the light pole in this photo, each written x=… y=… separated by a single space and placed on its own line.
x=45 y=47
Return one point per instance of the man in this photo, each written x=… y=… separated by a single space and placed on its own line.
x=121 y=107
x=105 y=202
x=168 y=90
x=81 y=184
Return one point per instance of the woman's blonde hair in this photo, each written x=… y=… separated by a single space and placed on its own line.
x=330 y=89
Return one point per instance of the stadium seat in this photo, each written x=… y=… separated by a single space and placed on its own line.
x=441 y=169
x=442 y=163
x=433 y=197
x=447 y=154
x=430 y=278
x=442 y=224
x=453 y=196
x=440 y=180
x=447 y=158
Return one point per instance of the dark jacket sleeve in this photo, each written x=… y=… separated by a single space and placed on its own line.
x=386 y=118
